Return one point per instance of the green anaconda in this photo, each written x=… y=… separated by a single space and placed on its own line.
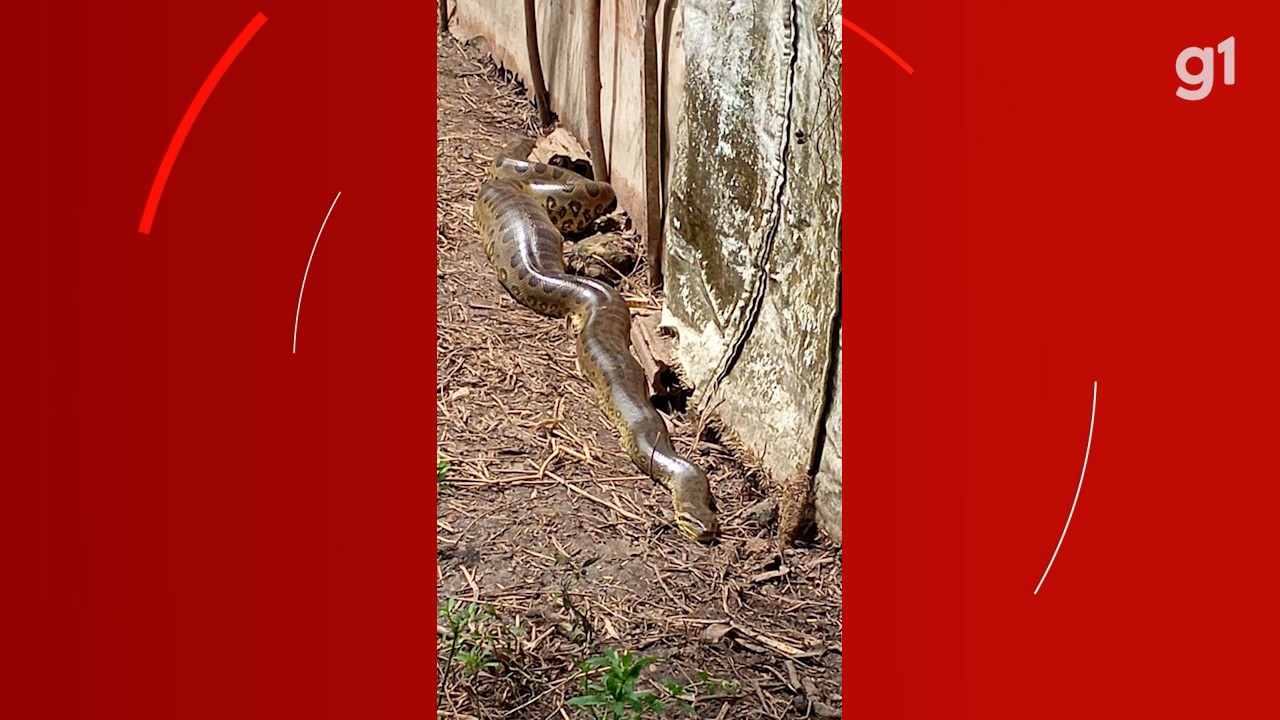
x=521 y=211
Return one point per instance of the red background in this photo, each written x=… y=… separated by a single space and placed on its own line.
x=1031 y=211
x=194 y=521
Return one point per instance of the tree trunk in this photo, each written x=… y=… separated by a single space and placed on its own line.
x=652 y=191
x=595 y=135
x=444 y=17
x=539 y=88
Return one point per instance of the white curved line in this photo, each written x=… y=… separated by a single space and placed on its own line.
x=297 y=314
x=1088 y=445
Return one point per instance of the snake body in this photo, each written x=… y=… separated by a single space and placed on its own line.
x=521 y=211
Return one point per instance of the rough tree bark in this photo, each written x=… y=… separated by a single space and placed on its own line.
x=444 y=17
x=535 y=63
x=595 y=136
x=652 y=189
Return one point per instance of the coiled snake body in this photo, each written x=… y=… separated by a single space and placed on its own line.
x=521 y=212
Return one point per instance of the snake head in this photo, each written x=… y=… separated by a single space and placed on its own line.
x=695 y=509
x=701 y=527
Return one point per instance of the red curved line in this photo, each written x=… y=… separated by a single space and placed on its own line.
x=883 y=48
x=184 y=127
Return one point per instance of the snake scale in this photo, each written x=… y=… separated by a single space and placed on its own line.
x=521 y=211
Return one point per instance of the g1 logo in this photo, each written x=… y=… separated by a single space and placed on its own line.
x=1202 y=82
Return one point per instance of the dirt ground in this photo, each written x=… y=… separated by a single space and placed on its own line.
x=553 y=549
